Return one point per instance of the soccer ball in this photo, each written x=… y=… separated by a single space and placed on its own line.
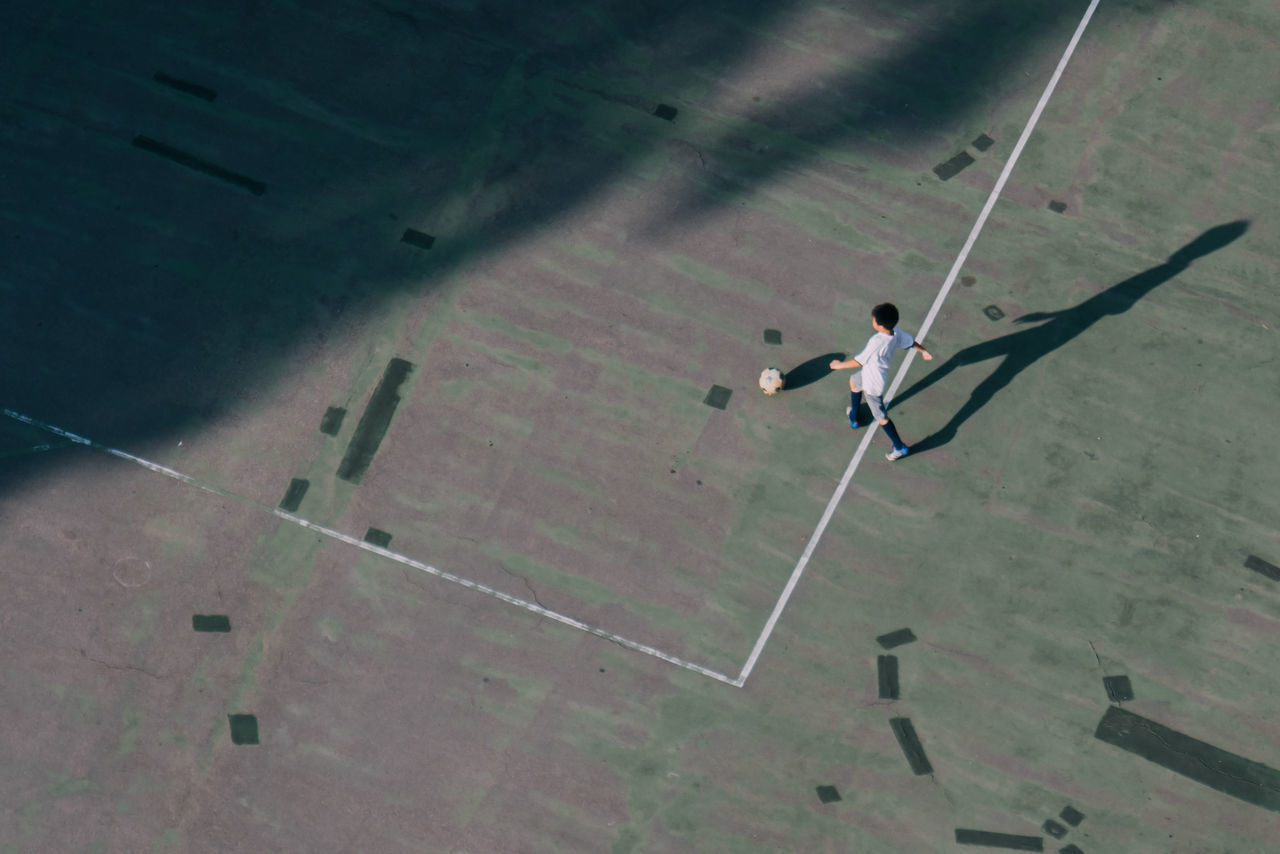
x=772 y=381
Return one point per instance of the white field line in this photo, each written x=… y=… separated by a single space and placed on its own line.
x=535 y=608
x=906 y=362
x=532 y=607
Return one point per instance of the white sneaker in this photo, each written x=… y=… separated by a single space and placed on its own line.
x=896 y=454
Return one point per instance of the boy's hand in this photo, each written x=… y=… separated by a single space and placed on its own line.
x=835 y=365
x=926 y=355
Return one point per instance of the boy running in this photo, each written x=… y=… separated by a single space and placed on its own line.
x=874 y=373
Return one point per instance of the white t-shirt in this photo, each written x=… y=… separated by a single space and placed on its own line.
x=875 y=357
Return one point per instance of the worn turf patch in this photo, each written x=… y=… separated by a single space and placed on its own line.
x=953 y=167
x=993 y=312
x=331 y=423
x=983 y=142
x=1251 y=782
x=420 y=239
x=211 y=622
x=293 y=495
x=887 y=672
x=244 y=729
x=897 y=637
x=377 y=537
x=999 y=840
x=374 y=422
x=1257 y=564
x=718 y=397
x=1119 y=688
x=1054 y=829
x=910 y=744
x=202 y=92
x=666 y=111
x=1071 y=816
x=828 y=794
x=199 y=164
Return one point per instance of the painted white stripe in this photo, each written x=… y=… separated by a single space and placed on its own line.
x=532 y=607
x=906 y=362
x=814 y=538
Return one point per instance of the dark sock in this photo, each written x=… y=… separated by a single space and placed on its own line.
x=892 y=433
x=855 y=400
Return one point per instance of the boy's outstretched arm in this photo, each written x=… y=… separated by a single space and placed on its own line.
x=924 y=354
x=837 y=365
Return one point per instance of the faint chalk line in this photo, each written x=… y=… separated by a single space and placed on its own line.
x=532 y=607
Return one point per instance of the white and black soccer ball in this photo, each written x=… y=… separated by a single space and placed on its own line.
x=772 y=381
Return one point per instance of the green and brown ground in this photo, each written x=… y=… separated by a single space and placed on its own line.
x=596 y=269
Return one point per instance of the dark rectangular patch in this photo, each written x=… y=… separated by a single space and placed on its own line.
x=211 y=622
x=666 y=111
x=1069 y=849
x=983 y=142
x=828 y=794
x=244 y=729
x=1119 y=688
x=1058 y=207
x=953 y=167
x=200 y=165
x=1054 y=829
x=1257 y=564
x=420 y=239
x=1251 y=782
x=374 y=422
x=331 y=423
x=910 y=744
x=293 y=495
x=183 y=86
x=377 y=537
x=772 y=336
x=718 y=397
x=887 y=670
x=895 y=638
x=1071 y=816
x=999 y=840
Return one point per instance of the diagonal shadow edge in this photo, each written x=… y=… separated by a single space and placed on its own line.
x=116 y=394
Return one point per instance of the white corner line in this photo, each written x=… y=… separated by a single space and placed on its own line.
x=532 y=607
x=535 y=608
x=772 y=622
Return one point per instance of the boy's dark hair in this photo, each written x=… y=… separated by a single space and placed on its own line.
x=886 y=314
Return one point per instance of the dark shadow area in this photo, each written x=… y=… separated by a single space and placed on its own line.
x=1020 y=349
x=810 y=371
x=148 y=294
x=957 y=61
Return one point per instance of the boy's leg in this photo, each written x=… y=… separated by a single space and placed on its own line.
x=855 y=401
x=899 y=449
x=877 y=411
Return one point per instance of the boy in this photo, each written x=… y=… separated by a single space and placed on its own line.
x=874 y=362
